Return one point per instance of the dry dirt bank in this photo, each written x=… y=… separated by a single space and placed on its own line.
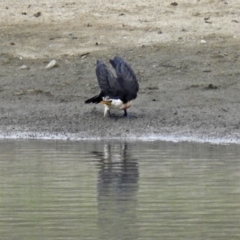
x=186 y=57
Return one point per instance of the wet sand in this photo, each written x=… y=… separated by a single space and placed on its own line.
x=186 y=57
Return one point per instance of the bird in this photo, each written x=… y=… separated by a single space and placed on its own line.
x=116 y=91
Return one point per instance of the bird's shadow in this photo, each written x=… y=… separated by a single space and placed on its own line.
x=118 y=116
x=112 y=116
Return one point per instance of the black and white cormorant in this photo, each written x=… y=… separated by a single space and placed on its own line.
x=116 y=92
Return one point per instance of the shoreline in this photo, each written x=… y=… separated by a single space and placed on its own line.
x=187 y=59
x=174 y=138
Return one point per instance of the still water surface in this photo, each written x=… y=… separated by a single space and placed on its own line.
x=119 y=190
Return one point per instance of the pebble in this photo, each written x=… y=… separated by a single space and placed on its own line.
x=38 y=14
x=52 y=64
x=203 y=41
x=23 y=67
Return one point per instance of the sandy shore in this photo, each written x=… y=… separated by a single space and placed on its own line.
x=186 y=55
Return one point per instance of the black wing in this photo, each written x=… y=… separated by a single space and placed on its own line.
x=107 y=82
x=126 y=77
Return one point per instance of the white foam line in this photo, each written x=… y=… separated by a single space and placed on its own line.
x=157 y=137
x=199 y=139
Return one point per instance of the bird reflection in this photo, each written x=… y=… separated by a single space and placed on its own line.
x=117 y=192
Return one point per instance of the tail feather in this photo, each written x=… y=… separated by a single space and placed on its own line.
x=95 y=99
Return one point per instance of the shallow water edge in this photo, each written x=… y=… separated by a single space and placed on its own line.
x=152 y=137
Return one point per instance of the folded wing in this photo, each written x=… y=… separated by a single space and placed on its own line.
x=107 y=82
x=126 y=78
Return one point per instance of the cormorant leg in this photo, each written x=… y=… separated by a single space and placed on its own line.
x=106 y=111
x=125 y=113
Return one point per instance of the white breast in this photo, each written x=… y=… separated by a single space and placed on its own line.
x=116 y=103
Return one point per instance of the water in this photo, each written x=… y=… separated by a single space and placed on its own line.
x=116 y=190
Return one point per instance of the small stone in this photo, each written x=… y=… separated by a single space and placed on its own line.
x=23 y=67
x=195 y=14
x=208 y=22
x=203 y=41
x=38 y=14
x=152 y=87
x=52 y=64
x=211 y=86
x=84 y=55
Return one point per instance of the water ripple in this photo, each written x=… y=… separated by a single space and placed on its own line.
x=118 y=190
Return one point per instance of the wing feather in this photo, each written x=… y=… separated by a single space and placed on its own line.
x=126 y=77
x=107 y=82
